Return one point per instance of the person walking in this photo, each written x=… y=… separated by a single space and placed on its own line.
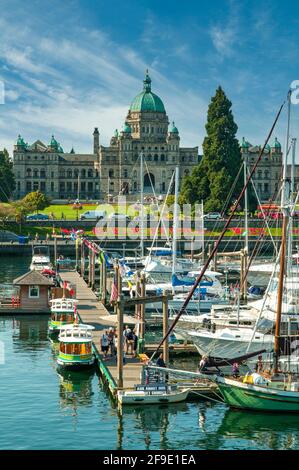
x=135 y=344
x=130 y=342
x=105 y=344
x=111 y=334
x=125 y=333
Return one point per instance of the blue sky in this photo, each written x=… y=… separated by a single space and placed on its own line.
x=70 y=66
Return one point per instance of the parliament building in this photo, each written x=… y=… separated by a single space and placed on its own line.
x=110 y=170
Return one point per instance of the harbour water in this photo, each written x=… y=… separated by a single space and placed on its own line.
x=40 y=409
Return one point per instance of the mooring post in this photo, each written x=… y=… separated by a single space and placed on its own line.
x=93 y=269
x=82 y=260
x=55 y=251
x=104 y=283
x=165 y=328
x=120 y=341
x=142 y=306
x=89 y=266
x=137 y=294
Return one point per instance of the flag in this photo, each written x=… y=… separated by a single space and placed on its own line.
x=108 y=264
x=101 y=257
x=114 y=291
x=76 y=317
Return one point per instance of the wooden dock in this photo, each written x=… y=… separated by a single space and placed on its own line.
x=93 y=312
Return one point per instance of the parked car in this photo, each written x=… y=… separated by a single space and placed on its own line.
x=213 y=216
x=119 y=218
x=93 y=215
x=37 y=217
x=6 y=236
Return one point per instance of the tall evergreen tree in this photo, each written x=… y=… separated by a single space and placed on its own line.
x=213 y=178
x=7 y=179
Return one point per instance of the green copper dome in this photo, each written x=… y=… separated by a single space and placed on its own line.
x=146 y=100
x=245 y=144
x=276 y=144
x=20 y=142
x=54 y=145
x=174 y=129
x=127 y=128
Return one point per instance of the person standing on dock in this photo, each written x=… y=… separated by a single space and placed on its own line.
x=125 y=334
x=135 y=339
x=105 y=344
x=111 y=335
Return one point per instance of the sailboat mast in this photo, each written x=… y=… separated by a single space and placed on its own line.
x=246 y=207
x=285 y=195
x=141 y=206
x=175 y=219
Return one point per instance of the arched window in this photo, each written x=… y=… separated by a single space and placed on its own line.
x=28 y=172
x=89 y=173
x=69 y=173
x=162 y=157
x=35 y=173
x=156 y=158
x=111 y=173
x=149 y=157
x=76 y=173
x=83 y=173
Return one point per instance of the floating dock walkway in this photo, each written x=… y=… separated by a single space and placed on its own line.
x=94 y=313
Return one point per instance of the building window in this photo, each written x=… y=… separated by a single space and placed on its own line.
x=52 y=186
x=69 y=186
x=33 y=292
x=28 y=172
x=42 y=173
x=90 y=186
x=28 y=186
x=52 y=174
x=156 y=157
x=111 y=173
x=35 y=186
x=35 y=173
x=43 y=186
x=83 y=173
x=162 y=158
x=69 y=173
x=125 y=173
x=89 y=174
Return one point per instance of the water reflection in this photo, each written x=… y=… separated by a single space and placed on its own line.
x=150 y=419
x=30 y=333
x=75 y=389
x=272 y=431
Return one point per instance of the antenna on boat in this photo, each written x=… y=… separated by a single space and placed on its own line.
x=216 y=246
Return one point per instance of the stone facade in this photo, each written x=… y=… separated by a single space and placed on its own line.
x=268 y=174
x=114 y=169
x=55 y=173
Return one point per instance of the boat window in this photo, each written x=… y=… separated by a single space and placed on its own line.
x=264 y=325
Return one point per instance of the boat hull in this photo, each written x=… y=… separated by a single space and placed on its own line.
x=75 y=363
x=131 y=398
x=257 y=398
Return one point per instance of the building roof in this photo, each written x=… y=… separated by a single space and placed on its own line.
x=147 y=100
x=32 y=278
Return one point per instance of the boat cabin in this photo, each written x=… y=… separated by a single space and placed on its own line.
x=75 y=348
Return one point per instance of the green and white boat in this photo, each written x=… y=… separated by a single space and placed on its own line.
x=63 y=312
x=75 y=347
x=264 y=395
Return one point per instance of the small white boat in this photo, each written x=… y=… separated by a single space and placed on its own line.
x=152 y=395
x=40 y=258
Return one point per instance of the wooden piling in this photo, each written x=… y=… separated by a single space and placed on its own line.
x=142 y=306
x=165 y=329
x=120 y=341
